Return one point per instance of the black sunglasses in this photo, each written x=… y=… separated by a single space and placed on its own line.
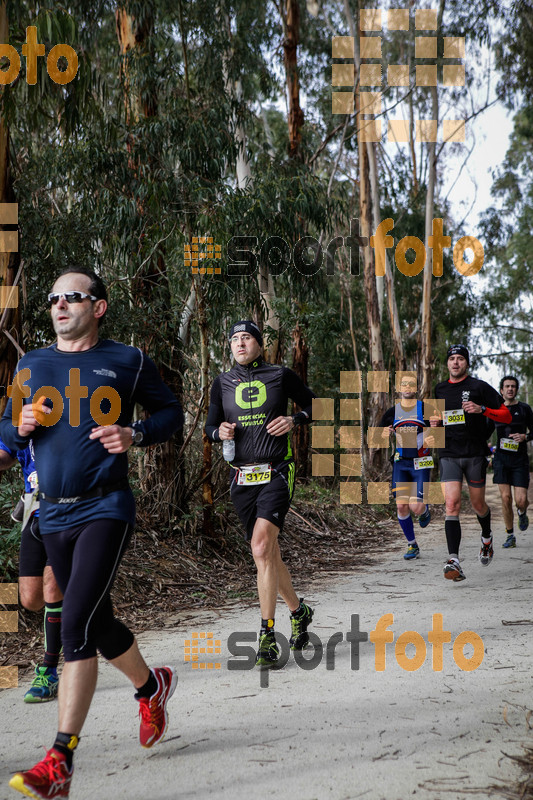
x=70 y=297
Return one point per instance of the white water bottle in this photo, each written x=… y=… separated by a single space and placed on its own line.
x=228 y=449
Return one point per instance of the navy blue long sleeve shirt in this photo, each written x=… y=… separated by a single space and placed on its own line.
x=68 y=463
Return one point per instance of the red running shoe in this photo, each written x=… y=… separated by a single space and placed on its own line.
x=49 y=778
x=153 y=710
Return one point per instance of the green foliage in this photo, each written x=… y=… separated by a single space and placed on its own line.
x=507 y=225
x=10 y=491
x=119 y=169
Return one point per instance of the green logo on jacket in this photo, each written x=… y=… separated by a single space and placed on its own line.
x=250 y=395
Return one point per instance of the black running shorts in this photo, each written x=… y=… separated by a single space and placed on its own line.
x=269 y=501
x=516 y=474
x=85 y=559
x=474 y=468
x=32 y=559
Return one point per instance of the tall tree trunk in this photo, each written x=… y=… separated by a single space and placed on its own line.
x=290 y=48
x=376 y=400
x=9 y=262
x=412 y=148
x=376 y=215
x=163 y=479
x=394 y=317
x=426 y=356
x=426 y=365
x=300 y=437
x=245 y=182
x=207 y=486
x=300 y=353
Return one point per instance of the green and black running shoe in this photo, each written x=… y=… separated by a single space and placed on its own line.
x=268 y=653
x=44 y=686
x=299 y=624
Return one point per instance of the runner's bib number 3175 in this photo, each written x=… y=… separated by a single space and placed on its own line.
x=254 y=475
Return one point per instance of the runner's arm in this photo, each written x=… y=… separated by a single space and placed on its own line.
x=495 y=409
x=7 y=456
x=215 y=415
x=490 y=405
x=387 y=419
x=501 y=414
x=301 y=394
x=386 y=422
x=6 y=460
x=529 y=423
x=9 y=432
x=491 y=427
x=166 y=415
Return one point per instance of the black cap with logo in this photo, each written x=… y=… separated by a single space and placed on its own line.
x=458 y=350
x=247 y=326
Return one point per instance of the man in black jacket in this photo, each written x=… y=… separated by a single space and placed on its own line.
x=511 y=463
x=468 y=404
x=249 y=405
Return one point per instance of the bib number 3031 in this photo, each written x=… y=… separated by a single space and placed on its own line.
x=254 y=475
x=454 y=417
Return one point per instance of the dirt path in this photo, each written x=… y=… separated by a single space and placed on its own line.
x=335 y=733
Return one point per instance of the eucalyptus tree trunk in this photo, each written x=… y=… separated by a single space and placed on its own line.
x=300 y=353
x=300 y=437
x=376 y=400
x=10 y=333
x=163 y=477
x=265 y=314
x=207 y=486
x=392 y=306
x=290 y=49
x=426 y=356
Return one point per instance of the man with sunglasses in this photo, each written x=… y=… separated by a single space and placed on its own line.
x=75 y=400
